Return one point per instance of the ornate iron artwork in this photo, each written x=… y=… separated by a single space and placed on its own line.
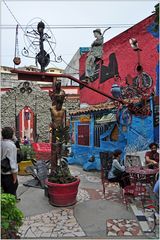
x=26 y=88
x=16 y=59
x=137 y=87
x=39 y=44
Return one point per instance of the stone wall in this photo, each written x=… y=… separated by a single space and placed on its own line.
x=13 y=101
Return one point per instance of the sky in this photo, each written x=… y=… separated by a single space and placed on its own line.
x=70 y=25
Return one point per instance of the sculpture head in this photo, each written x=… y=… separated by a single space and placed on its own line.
x=58 y=84
x=98 y=30
x=59 y=105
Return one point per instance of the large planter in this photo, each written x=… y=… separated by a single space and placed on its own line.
x=62 y=195
x=22 y=167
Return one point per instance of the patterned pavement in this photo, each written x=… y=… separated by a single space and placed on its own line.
x=62 y=222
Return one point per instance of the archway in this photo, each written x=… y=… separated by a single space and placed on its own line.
x=26 y=124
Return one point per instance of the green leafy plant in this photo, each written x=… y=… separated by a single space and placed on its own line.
x=27 y=152
x=62 y=173
x=11 y=217
x=62 y=134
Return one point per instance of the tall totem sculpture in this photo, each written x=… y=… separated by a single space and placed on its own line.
x=57 y=125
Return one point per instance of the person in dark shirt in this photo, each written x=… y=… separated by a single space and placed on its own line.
x=19 y=153
x=152 y=157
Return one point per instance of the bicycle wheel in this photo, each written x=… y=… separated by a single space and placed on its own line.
x=124 y=117
x=145 y=80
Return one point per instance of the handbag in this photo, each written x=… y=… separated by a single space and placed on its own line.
x=117 y=172
x=5 y=165
x=20 y=156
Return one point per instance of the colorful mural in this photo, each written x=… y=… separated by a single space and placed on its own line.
x=119 y=59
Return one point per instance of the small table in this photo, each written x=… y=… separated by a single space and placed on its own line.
x=142 y=176
x=142 y=173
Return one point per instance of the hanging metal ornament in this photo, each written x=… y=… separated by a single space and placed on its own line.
x=16 y=59
x=40 y=43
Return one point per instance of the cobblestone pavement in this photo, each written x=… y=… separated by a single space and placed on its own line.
x=92 y=216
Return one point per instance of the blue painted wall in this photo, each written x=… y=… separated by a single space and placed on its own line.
x=137 y=138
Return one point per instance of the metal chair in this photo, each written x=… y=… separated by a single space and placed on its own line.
x=106 y=164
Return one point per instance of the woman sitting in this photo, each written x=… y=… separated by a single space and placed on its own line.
x=117 y=172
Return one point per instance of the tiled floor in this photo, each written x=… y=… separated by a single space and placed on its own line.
x=57 y=223
x=123 y=227
x=61 y=222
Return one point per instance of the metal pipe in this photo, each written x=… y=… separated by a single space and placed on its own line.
x=47 y=77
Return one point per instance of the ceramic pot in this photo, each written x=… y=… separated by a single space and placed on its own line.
x=62 y=195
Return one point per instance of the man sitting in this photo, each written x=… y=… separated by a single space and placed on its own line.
x=152 y=157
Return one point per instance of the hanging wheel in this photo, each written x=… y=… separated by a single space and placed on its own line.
x=124 y=117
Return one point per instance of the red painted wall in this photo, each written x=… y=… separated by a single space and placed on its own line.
x=126 y=58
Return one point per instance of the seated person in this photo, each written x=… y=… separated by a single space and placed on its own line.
x=117 y=172
x=152 y=157
x=156 y=188
x=156 y=194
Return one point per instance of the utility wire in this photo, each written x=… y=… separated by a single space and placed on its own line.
x=78 y=26
x=13 y=17
x=70 y=66
x=32 y=27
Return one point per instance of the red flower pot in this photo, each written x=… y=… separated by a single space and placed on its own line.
x=62 y=195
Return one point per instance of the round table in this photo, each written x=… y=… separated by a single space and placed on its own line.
x=140 y=177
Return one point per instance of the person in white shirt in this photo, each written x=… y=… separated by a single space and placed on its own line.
x=117 y=172
x=9 y=181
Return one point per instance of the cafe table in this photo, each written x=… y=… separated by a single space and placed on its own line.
x=141 y=177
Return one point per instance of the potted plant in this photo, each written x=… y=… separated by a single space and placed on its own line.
x=62 y=186
x=11 y=217
x=28 y=156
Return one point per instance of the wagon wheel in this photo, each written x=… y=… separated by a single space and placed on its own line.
x=124 y=117
x=145 y=80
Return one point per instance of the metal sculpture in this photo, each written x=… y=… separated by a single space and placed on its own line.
x=26 y=88
x=16 y=59
x=40 y=43
x=94 y=55
x=136 y=88
x=42 y=57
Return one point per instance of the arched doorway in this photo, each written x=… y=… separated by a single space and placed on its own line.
x=26 y=124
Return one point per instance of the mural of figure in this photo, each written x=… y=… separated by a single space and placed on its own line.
x=95 y=52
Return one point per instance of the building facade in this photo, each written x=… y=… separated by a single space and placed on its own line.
x=25 y=106
x=119 y=59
